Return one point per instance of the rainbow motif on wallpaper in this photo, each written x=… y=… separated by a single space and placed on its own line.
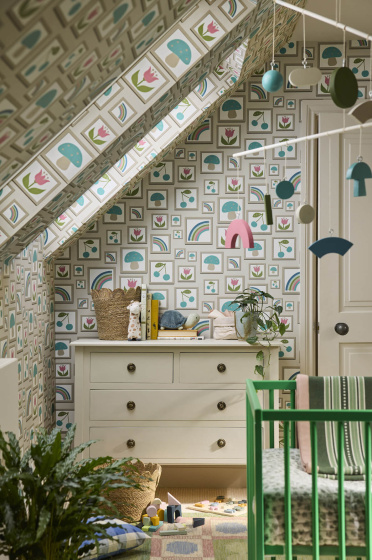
x=47 y=335
x=160 y=244
x=62 y=394
x=208 y=206
x=13 y=214
x=258 y=91
x=232 y=8
x=123 y=112
x=4 y=351
x=197 y=133
x=179 y=253
x=122 y=164
x=277 y=302
x=28 y=284
x=5 y=113
x=295 y=179
x=62 y=294
x=309 y=53
x=28 y=403
x=198 y=230
x=257 y=193
x=45 y=236
x=110 y=257
x=18 y=299
x=102 y=279
x=233 y=263
x=207 y=307
x=293 y=283
x=233 y=163
x=277 y=203
x=202 y=88
x=136 y=213
x=82 y=303
x=179 y=153
x=202 y=327
x=362 y=42
x=278 y=101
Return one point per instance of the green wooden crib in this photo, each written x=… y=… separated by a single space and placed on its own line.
x=257 y=418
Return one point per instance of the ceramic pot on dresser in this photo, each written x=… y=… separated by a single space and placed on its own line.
x=170 y=402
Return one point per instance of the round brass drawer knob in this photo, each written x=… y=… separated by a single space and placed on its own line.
x=131 y=368
x=131 y=443
x=221 y=443
x=221 y=368
x=221 y=405
x=131 y=405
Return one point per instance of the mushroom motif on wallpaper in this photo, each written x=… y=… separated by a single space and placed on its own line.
x=331 y=54
x=212 y=261
x=231 y=106
x=61 y=348
x=70 y=154
x=114 y=212
x=157 y=198
x=256 y=249
x=180 y=51
x=231 y=207
x=133 y=257
x=212 y=161
x=43 y=102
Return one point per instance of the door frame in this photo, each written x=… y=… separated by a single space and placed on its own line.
x=310 y=111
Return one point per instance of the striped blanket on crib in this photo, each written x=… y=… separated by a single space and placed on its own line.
x=334 y=393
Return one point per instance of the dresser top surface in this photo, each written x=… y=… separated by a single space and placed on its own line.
x=207 y=343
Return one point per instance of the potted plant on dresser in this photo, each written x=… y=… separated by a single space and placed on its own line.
x=257 y=321
x=48 y=497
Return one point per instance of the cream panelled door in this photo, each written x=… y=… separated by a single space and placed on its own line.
x=344 y=283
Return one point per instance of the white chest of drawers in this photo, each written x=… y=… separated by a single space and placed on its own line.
x=168 y=402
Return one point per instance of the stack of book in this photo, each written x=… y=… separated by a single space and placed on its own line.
x=170 y=334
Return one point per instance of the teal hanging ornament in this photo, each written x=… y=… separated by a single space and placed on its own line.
x=363 y=111
x=268 y=210
x=284 y=189
x=272 y=80
x=359 y=171
x=330 y=245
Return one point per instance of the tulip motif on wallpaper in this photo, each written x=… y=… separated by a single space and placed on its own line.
x=136 y=236
x=149 y=76
x=234 y=185
x=62 y=272
x=41 y=178
x=89 y=324
x=208 y=34
x=186 y=274
x=284 y=224
x=98 y=137
x=140 y=146
x=186 y=174
x=257 y=271
x=285 y=122
x=257 y=171
x=324 y=88
x=62 y=371
x=234 y=285
x=229 y=138
x=159 y=222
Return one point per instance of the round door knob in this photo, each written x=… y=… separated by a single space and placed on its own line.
x=342 y=328
x=131 y=368
x=221 y=443
x=221 y=368
x=221 y=405
x=131 y=443
x=131 y=405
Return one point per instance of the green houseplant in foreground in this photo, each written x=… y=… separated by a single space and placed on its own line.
x=260 y=314
x=48 y=495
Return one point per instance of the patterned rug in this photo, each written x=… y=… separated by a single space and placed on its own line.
x=219 y=539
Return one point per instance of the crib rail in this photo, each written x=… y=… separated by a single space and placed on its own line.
x=256 y=417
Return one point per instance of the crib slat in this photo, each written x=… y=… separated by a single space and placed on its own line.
x=314 y=489
x=368 y=460
x=341 y=492
x=271 y=407
x=287 y=495
x=293 y=425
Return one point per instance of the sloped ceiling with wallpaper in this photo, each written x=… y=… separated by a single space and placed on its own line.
x=58 y=55
x=111 y=137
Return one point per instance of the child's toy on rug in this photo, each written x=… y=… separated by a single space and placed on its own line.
x=173 y=529
x=230 y=507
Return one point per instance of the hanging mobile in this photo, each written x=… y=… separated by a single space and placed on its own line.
x=284 y=189
x=268 y=208
x=330 y=244
x=305 y=213
x=239 y=228
x=272 y=80
x=306 y=76
x=363 y=111
x=343 y=85
x=359 y=171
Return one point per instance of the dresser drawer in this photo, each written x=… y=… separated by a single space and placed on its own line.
x=167 y=405
x=191 y=444
x=131 y=367
x=217 y=367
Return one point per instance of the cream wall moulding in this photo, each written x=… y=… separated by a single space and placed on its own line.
x=332 y=22
x=292 y=141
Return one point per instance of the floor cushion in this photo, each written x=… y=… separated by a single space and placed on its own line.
x=126 y=537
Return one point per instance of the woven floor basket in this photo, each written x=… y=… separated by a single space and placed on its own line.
x=111 y=311
x=132 y=503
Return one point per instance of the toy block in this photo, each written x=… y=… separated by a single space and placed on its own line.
x=181 y=520
x=145 y=528
x=146 y=521
x=171 y=513
x=163 y=505
x=213 y=508
x=144 y=515
x=220 y=498
x=155 y=520
x=161 y=514
x=198 y=521
x=205 y=503
x=151 y=511
x=154 y=528
x=199 y=504
x=172 y=501
x=156 y=502
x=178 y=511
x=180 y=525
x=229 y=511
x=173 y=532
x=165 y=515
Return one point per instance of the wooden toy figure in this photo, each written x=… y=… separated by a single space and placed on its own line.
x=134 y=328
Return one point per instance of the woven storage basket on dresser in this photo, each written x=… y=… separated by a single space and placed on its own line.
x=111 y=311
